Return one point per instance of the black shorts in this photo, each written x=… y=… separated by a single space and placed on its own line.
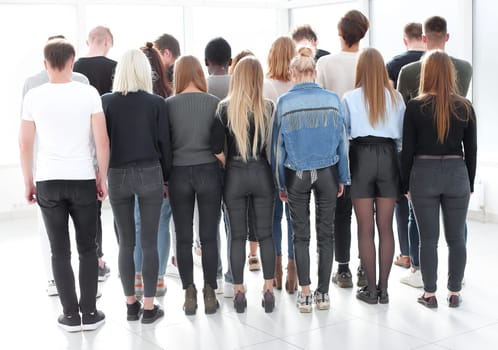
x=374 y=168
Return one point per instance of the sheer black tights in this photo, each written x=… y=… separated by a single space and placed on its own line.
x=382 y=209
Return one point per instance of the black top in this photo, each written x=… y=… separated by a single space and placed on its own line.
x=221 y=133
x=99 y=70
x=319 y=53
x=420 y=138
x=169 y=73
x=138 y=129
x=395 y=65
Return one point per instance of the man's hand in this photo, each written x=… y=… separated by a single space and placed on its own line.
x=30 y=193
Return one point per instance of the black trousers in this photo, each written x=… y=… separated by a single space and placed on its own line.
x=342 y=226
x=203 y=181
x=59 y=199
x=252 y=183
x=299 y=187
x=434 y=185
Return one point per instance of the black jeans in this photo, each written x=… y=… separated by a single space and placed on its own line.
x=145 y=180
x=252 y=183
x=203 y=181
x=98 y=238
x=299 y=192
x=435 y=184
x=59 y=199
x=342 y=227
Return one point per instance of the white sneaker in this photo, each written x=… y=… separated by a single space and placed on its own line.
x=172 y=271
x=52 y=289
x=228 y=290
x=413 y=278
x=321 y=300
x=304 y=302
x=219 y=282
x=99 y=291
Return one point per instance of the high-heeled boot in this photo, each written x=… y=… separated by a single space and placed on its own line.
x=291 y=280
x=277 y=281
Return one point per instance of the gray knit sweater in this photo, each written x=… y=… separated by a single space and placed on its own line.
x=191 y=116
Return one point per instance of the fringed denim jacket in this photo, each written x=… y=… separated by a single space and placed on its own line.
x=309 y=133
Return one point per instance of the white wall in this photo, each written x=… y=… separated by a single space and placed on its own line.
x=485 y=82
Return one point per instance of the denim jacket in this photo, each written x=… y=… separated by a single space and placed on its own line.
x=309 y=133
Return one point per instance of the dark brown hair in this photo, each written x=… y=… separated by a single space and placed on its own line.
x=435 y=28
x=58 y=52
x=353 y=27
x=160 y=85
x=169 y=42
x=304 y=32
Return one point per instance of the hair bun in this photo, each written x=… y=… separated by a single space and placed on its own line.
x=305 y=51
x=149 y=45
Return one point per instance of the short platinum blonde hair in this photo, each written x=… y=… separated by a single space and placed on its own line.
x=133 y=73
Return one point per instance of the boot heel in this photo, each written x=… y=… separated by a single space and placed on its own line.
x=268 y=301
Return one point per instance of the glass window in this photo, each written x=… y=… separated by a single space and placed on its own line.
x=133 y=25
x=323 y=20
x=387 y=28
x=244 y=28
x=485 y=52
x=22 y=56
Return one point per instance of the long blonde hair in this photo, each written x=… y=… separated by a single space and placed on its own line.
x=245 y=101
x=371 y=76
x=438 y=87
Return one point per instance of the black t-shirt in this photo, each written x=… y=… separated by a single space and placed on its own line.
x=394 y=66
x=99 y=70
x=319 y=53
x=420 y=138
x=138 y=129
x=221 y=133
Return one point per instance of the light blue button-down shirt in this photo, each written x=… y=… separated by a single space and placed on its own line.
x=357 y=120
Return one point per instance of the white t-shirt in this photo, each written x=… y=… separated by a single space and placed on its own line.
x=337 y=72
x=273 y=89
x=62 y=117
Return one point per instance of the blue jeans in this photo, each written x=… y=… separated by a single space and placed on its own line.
x=145 y=181
x=413 y=238
x=163 y=238
x=277 y=228
x=59 y=199
x=407 y=230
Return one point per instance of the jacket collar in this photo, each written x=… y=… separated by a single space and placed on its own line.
x=302 y=86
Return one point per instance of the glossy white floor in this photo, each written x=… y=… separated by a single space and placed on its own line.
x=28 y=317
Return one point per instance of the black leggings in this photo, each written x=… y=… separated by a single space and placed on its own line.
x=250 y=182
x=187 y=183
